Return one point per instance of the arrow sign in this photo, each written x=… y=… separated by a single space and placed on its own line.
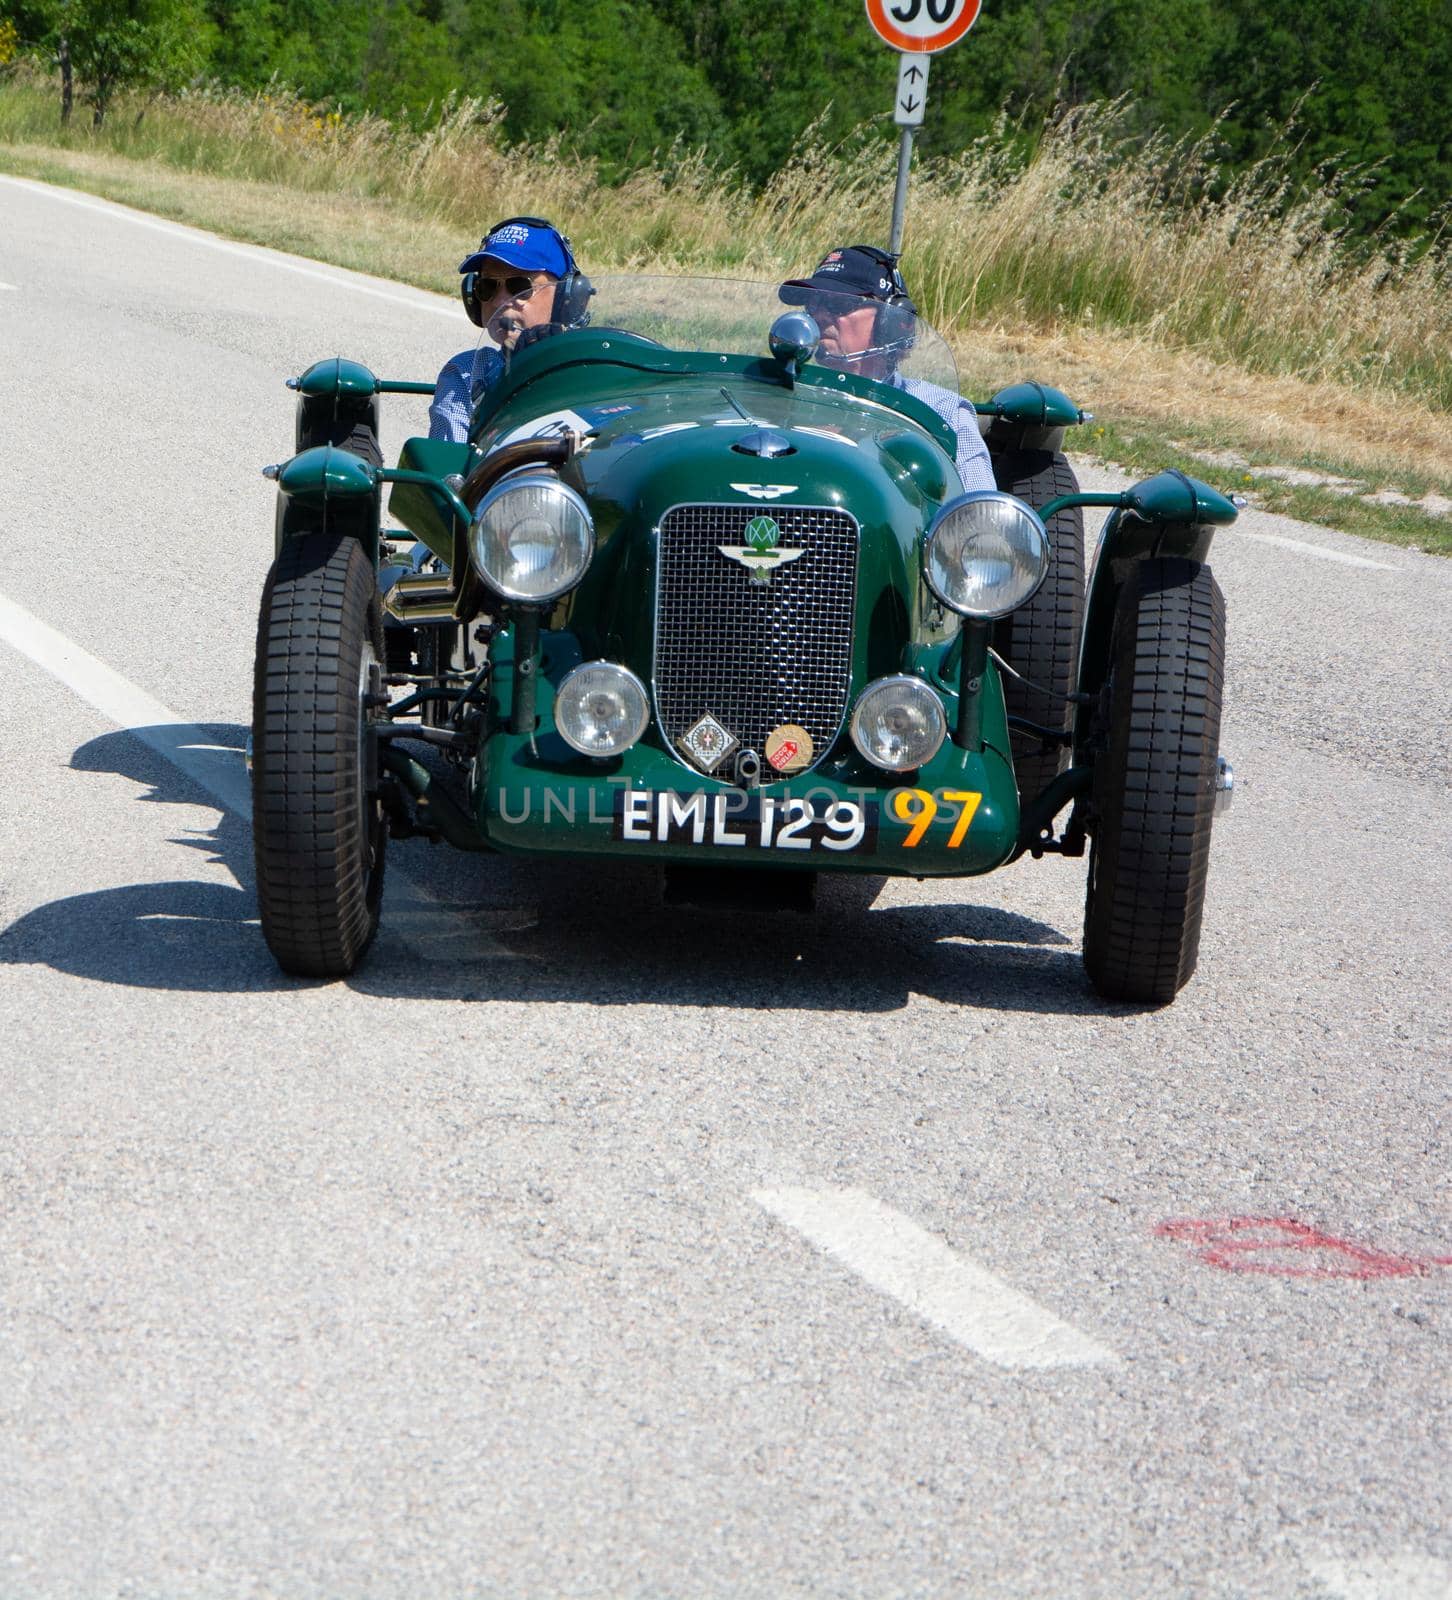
x=912 y=91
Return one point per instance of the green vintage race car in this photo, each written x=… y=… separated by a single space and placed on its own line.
x=690 y=595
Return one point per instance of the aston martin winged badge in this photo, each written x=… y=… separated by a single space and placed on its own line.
x=760 y=554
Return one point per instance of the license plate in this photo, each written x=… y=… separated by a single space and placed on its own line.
x=738 y=821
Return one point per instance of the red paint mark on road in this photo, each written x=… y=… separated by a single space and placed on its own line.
x=1246 y=1244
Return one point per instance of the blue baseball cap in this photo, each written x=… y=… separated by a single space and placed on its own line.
x=524 y=242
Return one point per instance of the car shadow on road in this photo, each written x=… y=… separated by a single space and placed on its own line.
x=485 y=928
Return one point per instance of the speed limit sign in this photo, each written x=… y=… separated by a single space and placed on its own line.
x=922 y=26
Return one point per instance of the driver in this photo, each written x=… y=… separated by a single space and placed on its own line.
x=857 y=297
x=521 y=283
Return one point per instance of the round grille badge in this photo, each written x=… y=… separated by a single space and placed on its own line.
x=789 y=748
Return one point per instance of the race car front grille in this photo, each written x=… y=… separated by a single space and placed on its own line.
x=755 y=655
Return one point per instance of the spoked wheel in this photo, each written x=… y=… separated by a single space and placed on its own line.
x=1154 y=783
x=317 y=826
x=1041 y=639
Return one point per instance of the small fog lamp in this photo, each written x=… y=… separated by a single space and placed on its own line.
x=898 y=724
x=601 y=709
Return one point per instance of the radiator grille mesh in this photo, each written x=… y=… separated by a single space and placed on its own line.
x=755 y=655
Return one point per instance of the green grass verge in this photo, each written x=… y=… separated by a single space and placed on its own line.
x=1141 y=447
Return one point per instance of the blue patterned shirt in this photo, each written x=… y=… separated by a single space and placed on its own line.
x=457 y=392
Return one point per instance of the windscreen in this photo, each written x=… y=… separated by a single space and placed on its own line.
x=888 y=344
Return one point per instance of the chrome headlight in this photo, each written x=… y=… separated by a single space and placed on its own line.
x=985 y=554
x=532 y=538
x=601 y=709
x=898 y=724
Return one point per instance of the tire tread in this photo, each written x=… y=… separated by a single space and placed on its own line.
x=1041 y=639
x=319 y=907
x=1154 y=783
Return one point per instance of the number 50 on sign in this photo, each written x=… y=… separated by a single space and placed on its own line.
x=922 y=26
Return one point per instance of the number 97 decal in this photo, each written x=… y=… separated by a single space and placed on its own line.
x=918 y=808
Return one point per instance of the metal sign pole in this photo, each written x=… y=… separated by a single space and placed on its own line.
x=916 y=35
x=899 y=199
x=907 y=112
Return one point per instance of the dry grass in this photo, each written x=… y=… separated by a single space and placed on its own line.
x=1122 y=376
x=1118 y=277
x=1084 y=233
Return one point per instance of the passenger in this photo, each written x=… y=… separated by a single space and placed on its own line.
x=522 y=278
x=857 y=297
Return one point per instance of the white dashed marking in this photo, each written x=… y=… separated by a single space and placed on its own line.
x=1318 y=551
x=439 y=933
x=1384 y=1578
x=898 y=1258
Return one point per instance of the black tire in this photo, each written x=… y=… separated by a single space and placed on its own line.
x=318 y=831
x=1041 y=639
x=358 y=437
x=1154 y=783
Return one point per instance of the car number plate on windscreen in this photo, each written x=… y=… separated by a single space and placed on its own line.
x=736 y=821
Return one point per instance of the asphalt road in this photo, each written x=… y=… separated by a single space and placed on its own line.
x=580 y=1247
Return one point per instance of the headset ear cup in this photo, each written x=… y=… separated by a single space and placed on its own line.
x=572 y=300
x=468 y=287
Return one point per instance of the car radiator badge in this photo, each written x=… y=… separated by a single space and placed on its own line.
x=765 y=491
x=708 y=743
x=760 y=555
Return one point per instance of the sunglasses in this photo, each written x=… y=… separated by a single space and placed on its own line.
x=834 y=306
x=516 y=286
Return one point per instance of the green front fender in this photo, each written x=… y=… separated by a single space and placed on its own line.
x=1169 y=514
x=328 y=490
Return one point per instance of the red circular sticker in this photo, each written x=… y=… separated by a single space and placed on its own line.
x=922 y=27
x=789 y=748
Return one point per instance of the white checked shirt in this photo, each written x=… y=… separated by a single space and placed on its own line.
x=974 y=466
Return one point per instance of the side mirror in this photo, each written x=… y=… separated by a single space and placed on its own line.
x=794 y=339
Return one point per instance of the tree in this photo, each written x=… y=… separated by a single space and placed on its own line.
x=119 y=44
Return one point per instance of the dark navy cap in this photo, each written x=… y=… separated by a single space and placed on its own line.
x=856 y=269
x=526 y=243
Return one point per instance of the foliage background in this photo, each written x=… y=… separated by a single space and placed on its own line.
x=625 y=81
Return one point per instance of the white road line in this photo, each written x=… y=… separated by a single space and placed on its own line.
x=10 y=288
x=1385 y=1578
x=1318 y=551
x=900 y=1259
x=187 y=747
x=438 y=305
x=440 y=934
